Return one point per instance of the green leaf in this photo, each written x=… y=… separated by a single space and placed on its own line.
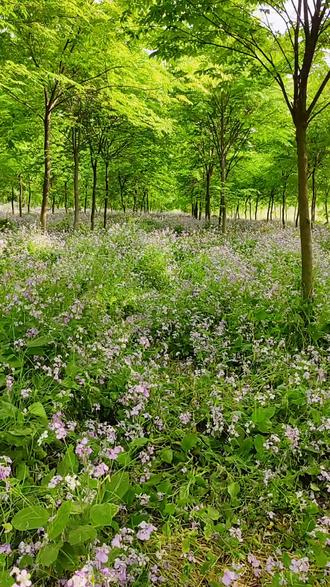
x=233 y=489
x=48 y=554
x=5 y=579
x=39 y=342
x=30 y=518
x=170 y=509
x=102 y=514
x=261 y=418
x=82 y=534
x=38 y=410
x=189 y=441
x=59 y=523
x=7 y=410
x=69 y=464
x=166 y=455
x=118 y=484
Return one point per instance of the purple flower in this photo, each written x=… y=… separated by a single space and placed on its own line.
x=229 y=577
x=299 y=566
x=185 y=417
x=112 y=453
x=5 y=468
x=5 y=549
x=83 y=450
x=100 y=470
x=102 y=554
x=292 y=435
x=145 y=531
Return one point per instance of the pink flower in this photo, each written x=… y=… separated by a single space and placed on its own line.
x=100 y=470
x=5 y=549
x=145 y=531
x=83 y=450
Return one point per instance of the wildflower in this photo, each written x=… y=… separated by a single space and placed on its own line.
x=25 y=393
x=292 y=435
x=236 y=533
x=102 y=554
x=185 y=417
x=112 y=453
x=229 y=577
x=5 y=468
x=72 y=482
x=55 y=481
x=100 y=470
x=145 y=531
x=5 y=548
x=9 y=382
x=144 y=498
x=299 y=566
x=22 y=577
x=79 y=579
x=83 y=450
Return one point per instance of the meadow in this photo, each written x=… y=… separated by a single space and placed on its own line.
x=163 y=412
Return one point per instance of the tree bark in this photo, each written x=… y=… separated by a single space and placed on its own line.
x=75 y=152
x=106 y=199
x=20 y=197
x=326 y=211
x=283 y=206
x=12 y=201
x=222 y=208
x=66 y=197
x=313 y=206
x=29 y=198
x=304 y=218
x=256 y=208
x=47 y=167
x=94 y=166
x=208 y=176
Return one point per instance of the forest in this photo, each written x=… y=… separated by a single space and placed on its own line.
x=164 y=293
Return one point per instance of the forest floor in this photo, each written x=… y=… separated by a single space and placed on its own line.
x=164 y=411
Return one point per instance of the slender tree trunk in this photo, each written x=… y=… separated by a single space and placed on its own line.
x=250 y=208
x=208 y=176
x=12 y=201
x=256 y=208
x=93 y=210
x=53 y=202
x=326 y=211
x=86 y=197
x=20 y=197
x=313 y=206
x=297 y=219
x=29 y=198
x=222 y=209
x=272 y=206
x=304 y=218
x=47 y=167
x=245 y=208
x=75 y=152
x=106 y=198
x=66 y=196
x=283 y=206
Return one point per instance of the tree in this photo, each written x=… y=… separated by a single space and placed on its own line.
x=289 y=57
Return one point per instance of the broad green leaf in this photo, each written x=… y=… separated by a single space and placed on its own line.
x=59 y=523
x=39 y=342
x=166 y=455
x=48 y=554
x=38 y=410
x=102 y=514
x=189 y=441
x=5 y=579
x=118 y=484
x=30 y=518
x=69 y=464
x=82 y=534
x=233 y=489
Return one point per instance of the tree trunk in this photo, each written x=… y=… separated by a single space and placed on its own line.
x=29 y=198
x=94 y=166
x=256 y=208
x=283 y=206
x=106 y=199
x=20 y=197
x=313 y=206
x=304 y=219
x=237 y=212
x=270 y=206
x=66 y=197
x=222 y=209
x=208 y=176
x=47 y=167
x=86 y=197
x=12 y=201
x=75 y=152
x=326 y=211
x=53 y=202
x=250 y=207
